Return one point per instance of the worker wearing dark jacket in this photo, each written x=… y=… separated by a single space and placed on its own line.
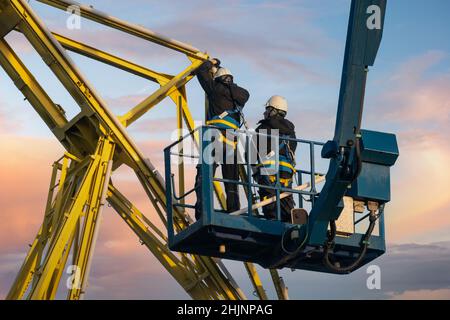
x=225 y=102
x=274 y=118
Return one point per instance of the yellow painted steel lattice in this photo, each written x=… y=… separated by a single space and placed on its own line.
x=97 y=143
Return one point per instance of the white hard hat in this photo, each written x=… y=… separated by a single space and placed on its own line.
x=277 y=102
x=222 y=72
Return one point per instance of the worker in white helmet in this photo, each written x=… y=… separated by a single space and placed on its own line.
x=225 y=103
x=275 y=113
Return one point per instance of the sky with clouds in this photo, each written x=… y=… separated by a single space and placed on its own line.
x=293 y=48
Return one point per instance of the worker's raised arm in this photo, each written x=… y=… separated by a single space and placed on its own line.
x=205 y=75
x=240 y=95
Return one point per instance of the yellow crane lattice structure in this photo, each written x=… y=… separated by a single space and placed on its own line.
x=97 y=143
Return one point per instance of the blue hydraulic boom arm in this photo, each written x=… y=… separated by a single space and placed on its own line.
x=344 y=151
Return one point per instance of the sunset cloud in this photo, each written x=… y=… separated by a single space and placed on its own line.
x=25 y=172
x=416 y=92
x=212 y=26
x=415 y=100
x=441 y=294
x=408 y=271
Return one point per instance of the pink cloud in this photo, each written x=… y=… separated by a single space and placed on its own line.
x=126 y=102
x=420 y=199
x=131 y=274
x=414 y=94
x=9 y=122
x=25 y=174
x=416 y=102
x=440 y=294
x=257 y=50
x=118 y=43
x=207 y=28
x=159 y=125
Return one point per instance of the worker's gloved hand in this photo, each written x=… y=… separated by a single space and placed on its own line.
x=215 y=62
x=215 y=65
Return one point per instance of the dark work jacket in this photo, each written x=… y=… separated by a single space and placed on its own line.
x=220 y=96
x=285 y=128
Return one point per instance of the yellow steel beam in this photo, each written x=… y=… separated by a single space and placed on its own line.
x=131 y=67
x=48 y=238
x=133 y=29
x=53 y=285
x=280 y=287
x=65 y=232
x=250 y=267
x=52 y=115
x=33 y=259
x=180 y=93
x=64 y=190
x=158 y=95
x=92 y=218
x=112 y=60
x=26 y=272
x=135 y=69
x=256 y=280
x=85 y=203
x=155 y=202
x=219 y=279
x=230 y=278
x=52 y=212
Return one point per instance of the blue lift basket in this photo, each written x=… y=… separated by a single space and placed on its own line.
x=272 y=243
